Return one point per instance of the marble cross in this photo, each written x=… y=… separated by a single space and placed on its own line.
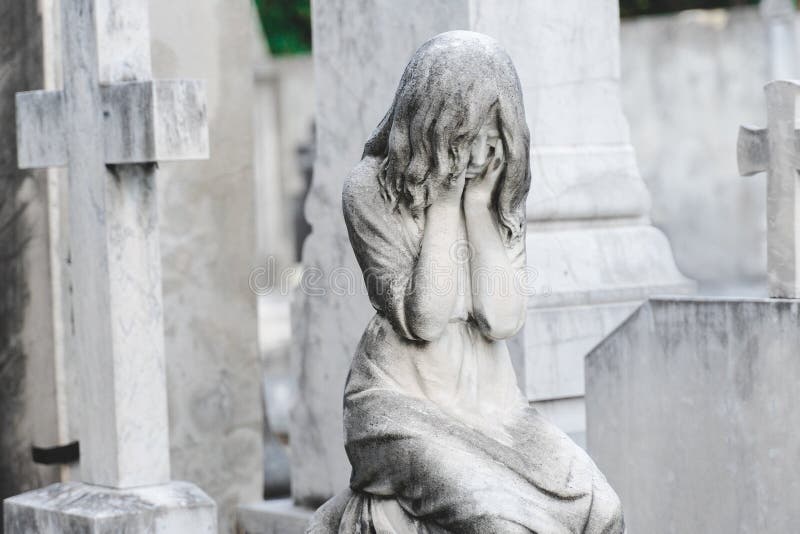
x=776 y=150
x=110 y=125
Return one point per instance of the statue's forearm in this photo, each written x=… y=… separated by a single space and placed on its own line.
x=498 y=307
x=430 y=299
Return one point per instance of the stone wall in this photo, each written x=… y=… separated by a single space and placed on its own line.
x=692 y=415
x=688 y=81
x=208 y=250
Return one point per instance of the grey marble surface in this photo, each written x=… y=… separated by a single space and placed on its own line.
x=174 y=508
x=692 y=415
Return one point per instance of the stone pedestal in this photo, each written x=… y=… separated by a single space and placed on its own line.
x=174 y=508
x=692 y=415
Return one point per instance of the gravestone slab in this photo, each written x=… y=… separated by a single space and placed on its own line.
x=692 y=415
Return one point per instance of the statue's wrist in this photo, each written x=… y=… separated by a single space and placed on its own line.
x=476 y=202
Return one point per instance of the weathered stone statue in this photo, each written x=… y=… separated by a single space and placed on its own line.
x=438 y=434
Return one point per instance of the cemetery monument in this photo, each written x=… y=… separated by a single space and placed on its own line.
x=438 y=433
x=589 y=237
x=110 y=126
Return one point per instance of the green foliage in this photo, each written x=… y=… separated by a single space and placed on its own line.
x=287 y=25
x=630 y=8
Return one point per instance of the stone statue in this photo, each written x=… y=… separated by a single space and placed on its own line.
x=438 y=434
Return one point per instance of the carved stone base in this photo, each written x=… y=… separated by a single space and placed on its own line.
x=174 y=508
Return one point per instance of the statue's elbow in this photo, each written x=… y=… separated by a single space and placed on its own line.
x=425 y=328
x=500 y=326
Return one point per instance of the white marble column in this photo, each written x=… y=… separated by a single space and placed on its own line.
x=589 y=235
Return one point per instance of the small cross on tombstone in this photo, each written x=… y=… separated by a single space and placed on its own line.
x=109 y=126
x=776 y=150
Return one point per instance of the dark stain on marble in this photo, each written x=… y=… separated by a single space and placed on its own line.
x=20 y=70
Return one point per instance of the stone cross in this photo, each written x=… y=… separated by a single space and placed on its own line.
x=775 y=149
x=110 y=126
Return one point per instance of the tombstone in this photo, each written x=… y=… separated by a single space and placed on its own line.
x=589 y=236
x=692 y=415
x=110 y=126
x=691 y=403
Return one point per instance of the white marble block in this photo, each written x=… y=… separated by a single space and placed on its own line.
x=692 y=415
x=174 y=508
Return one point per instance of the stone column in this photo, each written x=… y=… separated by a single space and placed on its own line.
x=589 y=234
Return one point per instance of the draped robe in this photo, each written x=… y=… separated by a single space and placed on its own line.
x=438 y=434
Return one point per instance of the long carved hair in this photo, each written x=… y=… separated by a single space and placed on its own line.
x=452 y=84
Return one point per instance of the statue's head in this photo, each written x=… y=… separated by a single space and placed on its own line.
x=455 y=86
